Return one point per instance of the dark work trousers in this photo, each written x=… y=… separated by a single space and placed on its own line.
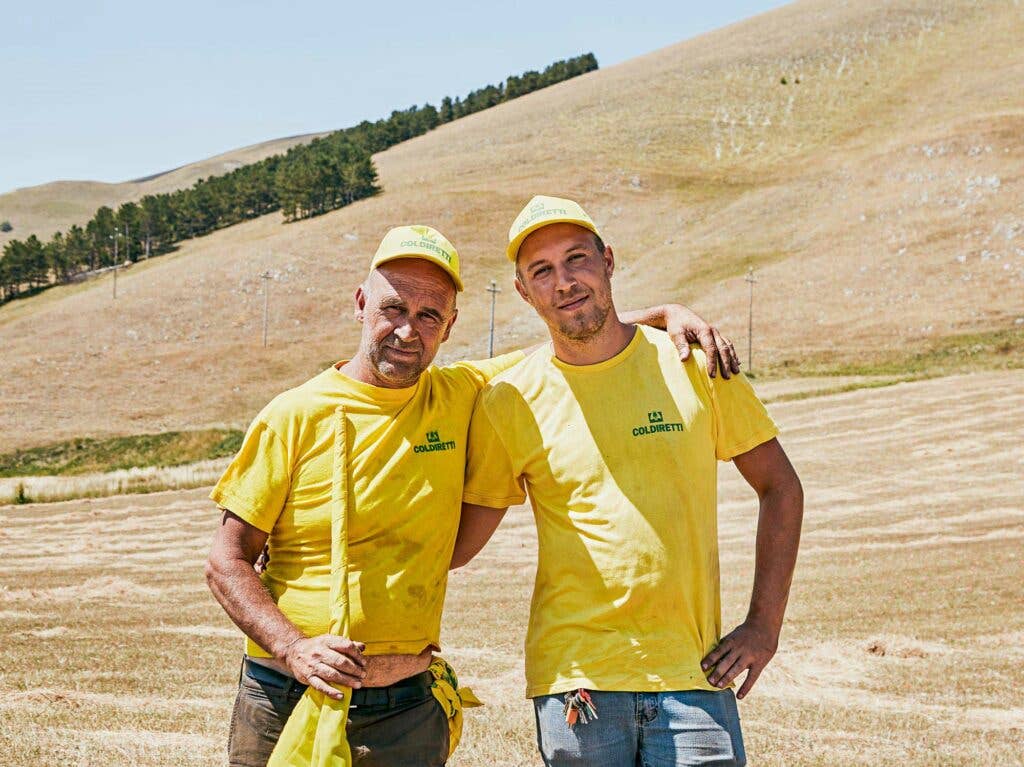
x=398 y=726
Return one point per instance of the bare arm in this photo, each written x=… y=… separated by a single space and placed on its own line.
x=752 y=644
x=476 y=526
x=316 y=661
x=686 y=327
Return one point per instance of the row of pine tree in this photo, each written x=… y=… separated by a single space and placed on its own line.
x=308 y=180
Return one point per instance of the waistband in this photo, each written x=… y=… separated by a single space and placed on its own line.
x=413 y=688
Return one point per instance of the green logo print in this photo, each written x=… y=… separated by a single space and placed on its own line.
x=656 y=424
x=434 y=443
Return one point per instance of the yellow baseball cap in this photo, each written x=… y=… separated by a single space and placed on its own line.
x=541 y=211
x=419 y=241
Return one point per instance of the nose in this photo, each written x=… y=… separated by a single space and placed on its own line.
x=564 y=281
x=405 y=332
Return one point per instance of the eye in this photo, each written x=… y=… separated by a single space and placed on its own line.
x=430 y=319
x=577 y=256
x=391 y=311
x=541 y=271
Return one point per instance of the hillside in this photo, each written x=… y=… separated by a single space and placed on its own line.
x=47 y=208
x=878 y=192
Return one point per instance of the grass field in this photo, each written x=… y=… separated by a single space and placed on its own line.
x=902 y=644
x=867 y=158
x=84 y=456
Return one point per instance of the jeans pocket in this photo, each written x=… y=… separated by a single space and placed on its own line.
x=265 y=709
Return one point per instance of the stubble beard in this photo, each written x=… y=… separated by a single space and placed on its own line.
x=584 y=324
x=401 y=374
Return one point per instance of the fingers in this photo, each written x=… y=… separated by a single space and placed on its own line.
x=262 y=560
x=342 y=663
x=349 y=677
x=734 y=357
x=319 y=684
x=715 y=655
x=752 y=675
x=726 y=354
x=726 y=669
x=707 y=342
x=726 y=676
x=346 y=647
x=684 y=350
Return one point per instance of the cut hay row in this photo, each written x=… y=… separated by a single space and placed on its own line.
x=122 y=482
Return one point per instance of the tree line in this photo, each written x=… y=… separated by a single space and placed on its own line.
x=307 y=180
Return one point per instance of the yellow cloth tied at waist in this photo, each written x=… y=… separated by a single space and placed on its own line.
x=314 y=735
x=452 y=699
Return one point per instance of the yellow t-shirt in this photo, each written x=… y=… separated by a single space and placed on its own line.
x=405 y=460
x=619 y=462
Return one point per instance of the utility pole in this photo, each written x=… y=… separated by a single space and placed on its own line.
x=494 y=290
x=127 y=244
x=114 y=238
x=750 y=321
x=266 y=277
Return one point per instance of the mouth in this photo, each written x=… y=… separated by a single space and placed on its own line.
x=408 y=354
x=573 y=304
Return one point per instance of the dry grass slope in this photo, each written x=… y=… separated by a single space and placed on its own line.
x=904 y=633
x=880 y=198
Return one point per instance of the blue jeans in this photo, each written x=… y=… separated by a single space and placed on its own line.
x=644 y=729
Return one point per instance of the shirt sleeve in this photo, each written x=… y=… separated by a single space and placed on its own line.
x=257 y=482
x=491 y=479
x=741 y=420
x=482 y=371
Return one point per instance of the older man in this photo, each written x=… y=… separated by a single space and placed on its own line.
x=355 y=478
x=616 y=443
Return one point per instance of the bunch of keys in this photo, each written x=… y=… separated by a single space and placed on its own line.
x=579 y=707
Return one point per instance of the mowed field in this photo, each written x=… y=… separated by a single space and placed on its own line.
x=903 y=643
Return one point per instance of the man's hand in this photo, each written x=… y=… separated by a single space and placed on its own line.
x=327 y=659
x=260 y=565
x=748 y=648
x=687 y=327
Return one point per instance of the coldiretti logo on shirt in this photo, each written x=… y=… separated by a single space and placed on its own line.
x=656 y=424
x=433 y=444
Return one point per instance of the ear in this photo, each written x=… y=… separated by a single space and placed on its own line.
x=451 y=324
x=360 y=304
x=609 y=260
x=521 y=290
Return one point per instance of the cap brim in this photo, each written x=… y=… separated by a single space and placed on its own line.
x=459 y=287
x=512 y=251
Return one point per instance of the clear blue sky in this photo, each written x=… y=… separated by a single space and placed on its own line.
x=115 y=90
